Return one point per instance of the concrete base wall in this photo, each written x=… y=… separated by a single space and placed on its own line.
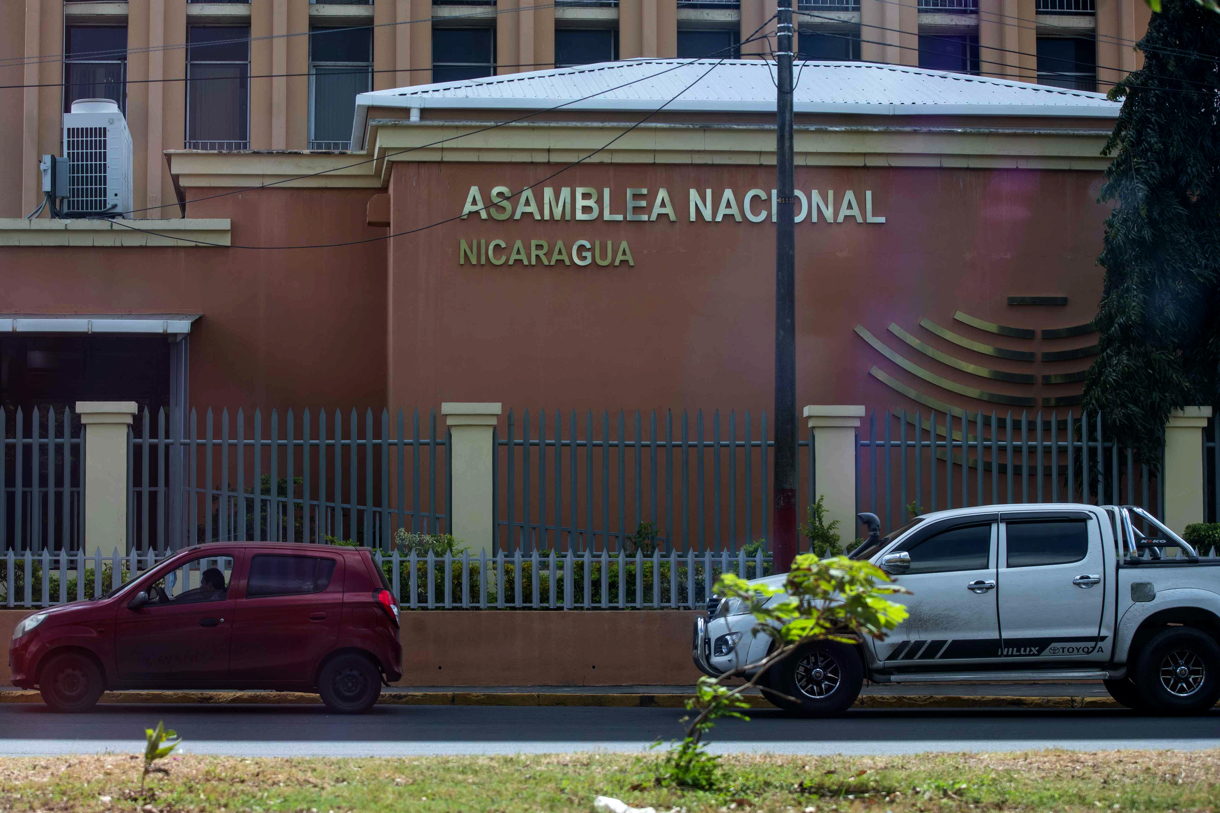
x=504 y=648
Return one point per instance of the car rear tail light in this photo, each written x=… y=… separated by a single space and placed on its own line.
x=386 y=599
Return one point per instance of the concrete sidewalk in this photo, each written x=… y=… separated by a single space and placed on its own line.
x=928 y=696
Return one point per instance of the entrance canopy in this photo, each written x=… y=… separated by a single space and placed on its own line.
x=178 y=324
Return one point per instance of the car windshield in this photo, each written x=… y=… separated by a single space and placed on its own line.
x=869 y=549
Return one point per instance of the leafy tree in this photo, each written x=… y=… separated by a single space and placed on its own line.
x=1159 y=317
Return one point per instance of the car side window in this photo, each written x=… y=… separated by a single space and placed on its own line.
x=966 y=547
x=195 y=582
x=1057 y=542
x=283 y=575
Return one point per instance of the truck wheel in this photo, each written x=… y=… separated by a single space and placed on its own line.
x=349 y=684
x=824 y=677
x=1125 y=693
x=70 y=683
x=1178 y=672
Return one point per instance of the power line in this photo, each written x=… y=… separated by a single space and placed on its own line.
x=481 y=14
x=478 y=131
x=454 y=218
x=933 y=37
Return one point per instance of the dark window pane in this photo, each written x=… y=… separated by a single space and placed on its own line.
x=944 y=52
x=217 y=100
x=341 y=45
x=288 y=575
x=94 y=80
x=1067 y=62
x=334 y=100
x=1047 y=543
x=830 y=46
x=218 y=44
x=582 y=47
x=965 y=548
x=96 y=42
x=714 y=44
x=462 y=46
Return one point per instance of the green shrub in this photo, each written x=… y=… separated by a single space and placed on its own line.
x=823 y=538
x=18 y=586
x=1204 y=537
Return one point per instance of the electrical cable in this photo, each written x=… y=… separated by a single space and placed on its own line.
x=445 y=221
x=477 y=131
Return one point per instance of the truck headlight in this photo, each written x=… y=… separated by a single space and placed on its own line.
x=27 y=624
x=725 y=644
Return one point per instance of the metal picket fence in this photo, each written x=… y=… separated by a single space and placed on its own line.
x=670 y=482
x=41 y=489
x=955 y=460
x=534 y=581
x=295 y=478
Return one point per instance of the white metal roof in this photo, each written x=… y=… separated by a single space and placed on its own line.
x=744 y=86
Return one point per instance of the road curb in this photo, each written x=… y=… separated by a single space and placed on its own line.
x=534 y=699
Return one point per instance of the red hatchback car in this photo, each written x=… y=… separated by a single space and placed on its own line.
x=280 y=616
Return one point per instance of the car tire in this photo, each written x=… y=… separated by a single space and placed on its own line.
x=71 y=683
x=774 y=696
x=1126 y=693
x=823 y=677
x=349 y=684
x=1178 y=672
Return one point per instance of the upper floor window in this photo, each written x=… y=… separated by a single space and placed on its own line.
x=949 y=52
x=574 y=46
x=95 y=64
x=463 y=53
x=340 y=66
x=713 y=43
x=829 y=46
x=1067 y=62
x=218 y=88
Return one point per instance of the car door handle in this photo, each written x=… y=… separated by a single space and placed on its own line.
x=1085 y=581
x=317 y=616
x=980 y=586
x=210 y=622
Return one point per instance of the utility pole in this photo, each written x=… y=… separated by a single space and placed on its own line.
x=783 y=544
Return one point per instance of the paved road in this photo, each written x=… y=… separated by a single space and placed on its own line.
x=428 y=730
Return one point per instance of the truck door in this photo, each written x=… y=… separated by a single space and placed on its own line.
x=952 y=605
x=1052 y=586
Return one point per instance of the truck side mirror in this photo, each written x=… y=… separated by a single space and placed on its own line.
x=896 y=563
x=138 y=602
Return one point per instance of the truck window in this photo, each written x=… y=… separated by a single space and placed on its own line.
x=965 y=547
x=1057 y=542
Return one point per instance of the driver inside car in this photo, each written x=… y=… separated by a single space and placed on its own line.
x=211 y=588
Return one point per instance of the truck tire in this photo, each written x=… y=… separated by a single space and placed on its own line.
x=349 y=684
x=70 y=683
x=1125 y=693
x=1178 y=672
x=824 y=677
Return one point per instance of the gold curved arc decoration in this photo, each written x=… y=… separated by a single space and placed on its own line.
x=1067 y=332
x=943 y=383
x=1068 y=355
x=964 y=366
x=1064 y=378
x=978 y=347
x=941 y=406
x=992 y=327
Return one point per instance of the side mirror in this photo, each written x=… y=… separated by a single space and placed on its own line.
x=896 y=563
x=138 y=602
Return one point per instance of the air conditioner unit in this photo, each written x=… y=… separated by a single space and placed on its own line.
x=98 y=146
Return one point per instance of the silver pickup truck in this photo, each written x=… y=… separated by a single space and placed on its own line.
x=1045 y=592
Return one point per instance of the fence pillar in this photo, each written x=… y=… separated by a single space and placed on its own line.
x=1183 y=471
x=472 y=460
x=105 y=475
x=834 y=463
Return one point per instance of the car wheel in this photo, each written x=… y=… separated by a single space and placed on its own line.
x=824 y=678
x=349 y=684
x=1178 y=672
x=1126 y=693
x=70 y=683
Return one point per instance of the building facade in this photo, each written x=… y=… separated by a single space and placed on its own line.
x=283 y=74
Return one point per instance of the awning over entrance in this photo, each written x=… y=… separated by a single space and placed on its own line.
x=168 y=324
